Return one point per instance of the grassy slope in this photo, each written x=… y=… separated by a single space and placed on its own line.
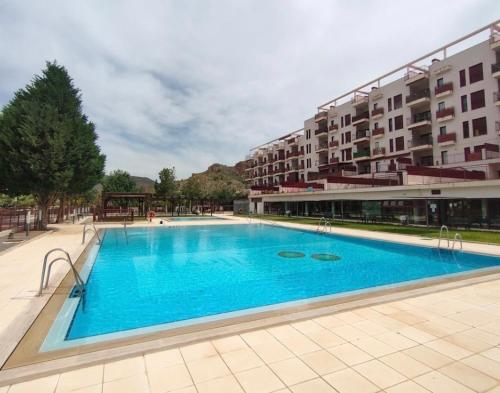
x=475 y=236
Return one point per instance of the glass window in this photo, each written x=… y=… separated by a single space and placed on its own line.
x=348 y=137
x=463 y=102
x=479 y=126
x=347 y=120
x=476 y=73
x=400 y=143
x=444 y=157
x=463 y=81
x=442 y=130
x=390 y=125
x=441 y=106
x=465 y=128
x=477 y=100
x=398 y=122
x=398 y=101
x=391 y=145
x=440 y=82
x=389 y=104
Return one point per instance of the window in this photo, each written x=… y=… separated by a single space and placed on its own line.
x=390 y=125
x=347 y=120
x=389 y=104
x=398 y=122
x=466 y=153
x=398 y=101
x=477 y=100
x=391 y=145
x=348 y=154
x=378 y=167
x=342 y=121
x=440 y=82
x=375 y=126
x=479 y=126
x=463 y=81
x=442 y=130
x=476 y=73
x=348 y=137
x=342 y=138
x=308 y=134
x=375 y=105
x=465 y=129
x=441 y=106
x=463 y=103
x=444 y=157
x=400 y=143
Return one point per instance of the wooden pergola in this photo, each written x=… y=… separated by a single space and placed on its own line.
x=123 y=205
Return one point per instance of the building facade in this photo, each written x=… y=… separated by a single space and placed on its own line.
x=419 y=144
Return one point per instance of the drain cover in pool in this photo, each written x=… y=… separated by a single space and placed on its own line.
x=291 y=254
x=325 y=257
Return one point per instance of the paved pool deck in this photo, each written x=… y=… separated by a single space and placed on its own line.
x=447 y=341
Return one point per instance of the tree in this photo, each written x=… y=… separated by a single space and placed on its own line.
x=118 y=181
x=48 y=145
x=167 y=186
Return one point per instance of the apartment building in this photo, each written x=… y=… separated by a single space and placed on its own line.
x=420 y=144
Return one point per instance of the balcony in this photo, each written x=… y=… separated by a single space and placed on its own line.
x=321 y=130
x=443 y=90
x=292 y=168
x=361 y=155
x=418 y=98
x=377 y=113
x=334 y=144
x=413 y=76
x=321 y=116
x=321 y=147
x=447 y=139
x=495 y=41
x=362 y=136
x=419 y=120
x=359 y=100
x=361 y=118
x=378 y=132
x=334 y=160
x=496 y=98
x=420 y=143
x=293 y=141
x=292 y=154
x=445 y=114
x=474 y=156
x=378 y=152
x=495 y=70
x=333 y=127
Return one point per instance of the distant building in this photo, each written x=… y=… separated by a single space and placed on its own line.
x=419 y=144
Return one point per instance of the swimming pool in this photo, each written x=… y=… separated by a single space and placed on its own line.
x=169 y=277
x=194 y=218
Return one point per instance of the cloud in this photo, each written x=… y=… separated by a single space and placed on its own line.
x=190 y=83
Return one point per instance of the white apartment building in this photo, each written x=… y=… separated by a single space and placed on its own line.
x=421 y=142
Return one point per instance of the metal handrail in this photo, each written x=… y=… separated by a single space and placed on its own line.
x=125 y=229
x=458 y=237
x=328 y=224
x=444 y=227
x=92 y=229
x=322 y=220
x=45 y=279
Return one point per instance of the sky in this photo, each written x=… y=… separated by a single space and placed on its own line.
x=189 y=83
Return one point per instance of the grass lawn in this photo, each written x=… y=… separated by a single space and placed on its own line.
x=467 y=235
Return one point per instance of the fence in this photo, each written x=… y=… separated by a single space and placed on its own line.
x=13 y=218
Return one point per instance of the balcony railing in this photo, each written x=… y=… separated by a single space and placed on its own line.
x=322 y=146
x=377 y=111
x=451 y=137
x=496 y=97
x=378 y=131
x=321 y=130
x=362 y=153
x=445 y=112
x=362 y=116
x=362 y=134
x=417 y=95
x=333 y=127
x=334 y=160
x=420 y=141
x=321 y=116
x=495 y=68
x=292 y=154
x=419 y=117
x=378 y=151
x=474 y=156
x=443 y=88
x=334 y=144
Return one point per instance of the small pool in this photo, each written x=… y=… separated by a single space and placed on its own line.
x=194 y=218
x=168 y=277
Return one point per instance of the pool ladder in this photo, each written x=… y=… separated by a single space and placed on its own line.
x=324 y=225
x=44 y=279
x=456 y=238
x=91 y=228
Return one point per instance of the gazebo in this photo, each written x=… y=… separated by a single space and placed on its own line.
x=124 y=205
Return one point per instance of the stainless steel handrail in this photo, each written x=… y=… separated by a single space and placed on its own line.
x=92 y=229
x=444 y=227
x=67 y=258
x=458 y=237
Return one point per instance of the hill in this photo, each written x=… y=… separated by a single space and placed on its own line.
x=144 y=184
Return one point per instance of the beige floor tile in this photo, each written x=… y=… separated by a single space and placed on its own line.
x=416 y=334
x=390 y=324
x=89 y=389
x=207 y=368
x=370 y=328
x=329 y=321
x=190 y=389
x=313 y=386
x=227 y=384
x=396 y=340
x=80 y=378
x=167 y=358
x=407 y=317
x=483 y=335
x=483 y=364
x=468 y=376
x=379 y=373
x=124 y=368
x=405 y=364
x=268 y=348
x=169 y=378
x=428 y=356
x=494 y=390
x=228 y=344
x=349 y=381
x=259 y=380
x=440 y=383
x=323 y=362
x=374 y=347
x=474 y=317
x=258 y=337
x=468 y=341
x=292 y=371
x=40 y=385
x=198 y=351
x=349 y=354
x=407 y=387
x=317 y=333
x=493 y=354
x=349 y=317
x=242 y=359
x=135 y=384
x=349 y=333
x=294 y=340
x=448 y=349
x=4 y=389
x=442 y=327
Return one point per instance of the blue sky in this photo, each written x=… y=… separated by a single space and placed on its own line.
x=190 y=83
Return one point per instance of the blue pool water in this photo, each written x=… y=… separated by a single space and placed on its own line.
x=172 y=274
